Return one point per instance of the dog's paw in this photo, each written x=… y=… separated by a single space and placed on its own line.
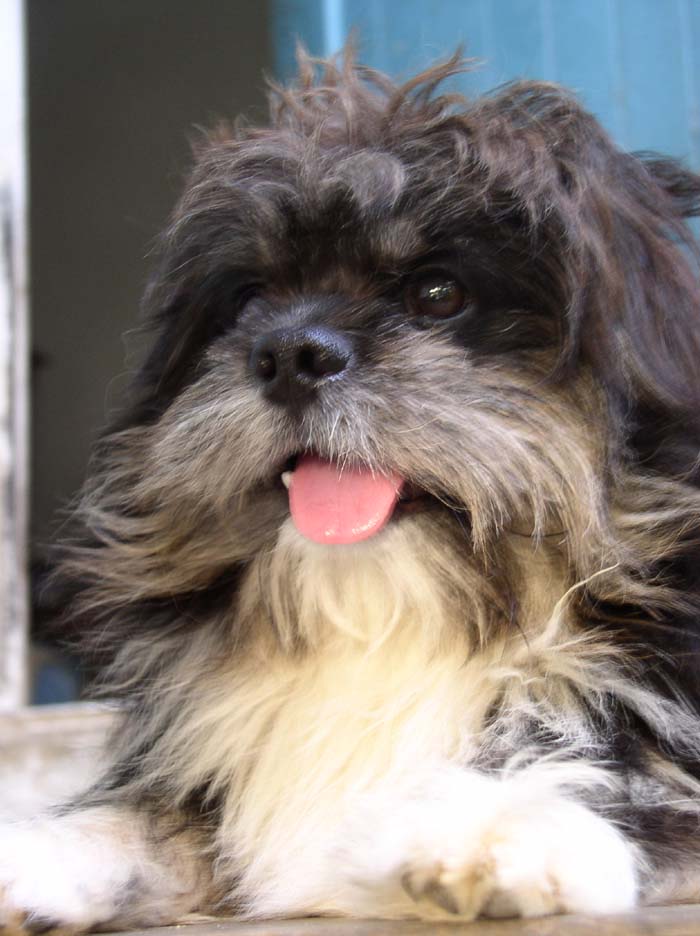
x=560 y=858
x=97 y=868
x=50 y=881
x=31 y=905
x=466 y=845
x=12 y=922
x=70 y=873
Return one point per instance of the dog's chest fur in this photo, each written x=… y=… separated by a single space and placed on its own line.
x=387 y=682
x=325 y=734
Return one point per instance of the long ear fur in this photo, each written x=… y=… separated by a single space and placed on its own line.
x=642 y=327
x=643 y=323
x=631 y=262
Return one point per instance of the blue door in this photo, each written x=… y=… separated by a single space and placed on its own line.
x=634 y=63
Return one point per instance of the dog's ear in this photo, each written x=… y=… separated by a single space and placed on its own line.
x=200 y=279
x=617 y=222
x=181 y=318
x=682 y=185
x=635 y=309
x=614 y=227
x=639 y=321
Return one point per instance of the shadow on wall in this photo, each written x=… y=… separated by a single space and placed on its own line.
x=115 y=91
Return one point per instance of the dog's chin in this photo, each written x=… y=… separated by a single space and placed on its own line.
x=318 y=591
x=411 y=575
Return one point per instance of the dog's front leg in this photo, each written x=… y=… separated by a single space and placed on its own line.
x=100 y=866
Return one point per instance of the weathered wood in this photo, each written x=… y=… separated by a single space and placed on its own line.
x=656 y=921
x=48 y=753
x=13 y=358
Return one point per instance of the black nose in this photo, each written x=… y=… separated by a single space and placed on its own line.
x=291 y=363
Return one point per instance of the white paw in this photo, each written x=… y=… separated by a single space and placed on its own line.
x=98 y=867
x=12 y=922
x=475 y=846
x=53 y=874
x=560 y=858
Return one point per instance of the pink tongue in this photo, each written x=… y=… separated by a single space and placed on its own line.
x=330 y=506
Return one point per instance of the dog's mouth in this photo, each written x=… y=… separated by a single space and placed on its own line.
x=334 y=504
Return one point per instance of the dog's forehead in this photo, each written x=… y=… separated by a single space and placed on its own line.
x=327 y=214
x=329 y=257
x=297 y=211
x=396 y=241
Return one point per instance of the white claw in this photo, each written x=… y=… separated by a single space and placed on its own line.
x=287 y=478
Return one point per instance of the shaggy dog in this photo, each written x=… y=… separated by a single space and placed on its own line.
x=393 y=559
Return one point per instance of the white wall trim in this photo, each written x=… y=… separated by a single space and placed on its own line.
x=14 y=326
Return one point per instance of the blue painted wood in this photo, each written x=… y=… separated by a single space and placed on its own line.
x=653 y=81
x=586 y=44
x=634 y=63
x=294 y=20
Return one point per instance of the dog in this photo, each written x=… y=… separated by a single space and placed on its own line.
x=393 y=557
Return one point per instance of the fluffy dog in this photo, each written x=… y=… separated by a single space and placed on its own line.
x=393 y=558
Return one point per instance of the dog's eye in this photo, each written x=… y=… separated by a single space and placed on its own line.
x=435 y=296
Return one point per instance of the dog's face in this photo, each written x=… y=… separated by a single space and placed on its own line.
x=420 y=309
x=371 y=343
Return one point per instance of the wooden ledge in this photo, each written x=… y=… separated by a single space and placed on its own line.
x=654 y=921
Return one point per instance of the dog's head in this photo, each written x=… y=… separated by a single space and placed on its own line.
x=453 y=319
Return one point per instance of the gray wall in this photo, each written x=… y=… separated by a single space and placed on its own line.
x=116 y=87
